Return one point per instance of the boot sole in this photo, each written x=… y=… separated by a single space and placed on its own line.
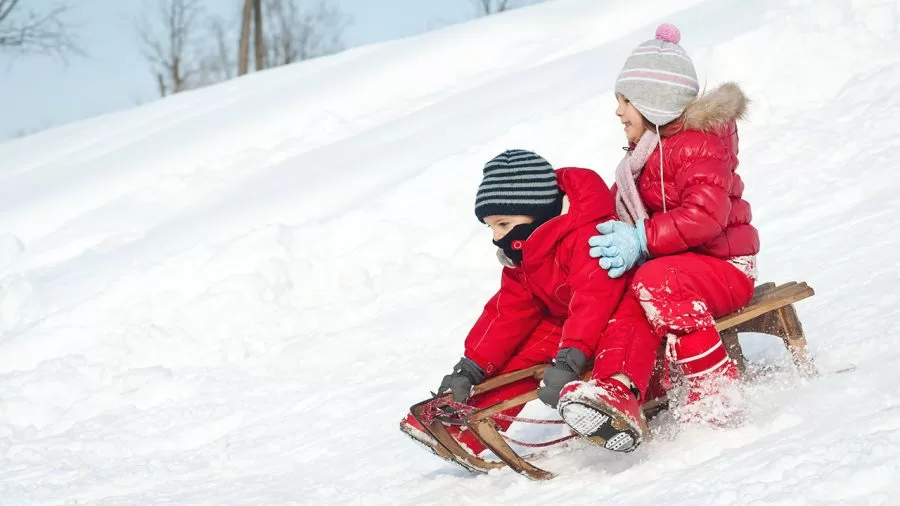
x=609 y=431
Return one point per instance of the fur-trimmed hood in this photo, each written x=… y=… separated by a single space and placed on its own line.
x=718 y=107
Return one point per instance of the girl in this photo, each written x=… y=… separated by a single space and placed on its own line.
x=683 y=222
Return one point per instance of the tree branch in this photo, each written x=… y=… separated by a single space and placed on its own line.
x=488 y=7
x=30 y=32
x=295 y=35
x=6 y=6
x=169 y=53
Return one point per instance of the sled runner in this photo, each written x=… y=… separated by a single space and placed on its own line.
x=771 y=311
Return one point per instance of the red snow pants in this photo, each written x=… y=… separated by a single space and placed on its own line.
x=540 y=348
x=685 y=293
x=672 y=295
x=628 y=345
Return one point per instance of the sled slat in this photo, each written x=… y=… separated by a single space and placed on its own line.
x=503 y=406
x=794 y=339
x=438 y=431
x=536 y=372
x=733 y=347
x=437 y=448
x=765 y=287
x=487 y=433
x=766 y=302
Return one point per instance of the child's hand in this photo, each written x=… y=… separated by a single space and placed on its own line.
x=466 y=374
x=620 y=247
x=568 y=365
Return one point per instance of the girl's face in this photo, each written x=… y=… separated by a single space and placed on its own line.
x=631 y=118
x=502 y=224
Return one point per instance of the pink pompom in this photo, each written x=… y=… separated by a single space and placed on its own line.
x=668 y=33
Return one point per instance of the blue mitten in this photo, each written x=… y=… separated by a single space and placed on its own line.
x=620 y=247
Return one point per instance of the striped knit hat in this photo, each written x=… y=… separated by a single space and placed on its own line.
x=518 y=182
x=659 y=77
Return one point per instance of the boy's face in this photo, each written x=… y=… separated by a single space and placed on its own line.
x=501 y=224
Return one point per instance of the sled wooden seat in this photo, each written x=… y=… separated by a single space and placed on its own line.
x=771 y=311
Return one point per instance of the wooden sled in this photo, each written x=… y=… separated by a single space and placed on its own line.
x=771 y=311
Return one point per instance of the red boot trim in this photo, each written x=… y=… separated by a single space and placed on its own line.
x=707 y=371
x=698 y=352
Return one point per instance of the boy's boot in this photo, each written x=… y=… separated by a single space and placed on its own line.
x=606 y=412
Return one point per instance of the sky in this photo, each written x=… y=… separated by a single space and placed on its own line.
x=38 y=92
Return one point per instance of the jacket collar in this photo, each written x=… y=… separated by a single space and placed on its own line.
x=586 y=200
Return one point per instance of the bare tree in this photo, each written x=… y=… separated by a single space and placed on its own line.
x=294 y=34
x=488 y=7
x=169 y=48
x=217 y=59
x=259 y=43
x=29 y=31
x=223 y=49
x=217 y=64
x=252 y=9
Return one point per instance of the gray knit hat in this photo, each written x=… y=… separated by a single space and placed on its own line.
x=518 y=182
x=659 y=77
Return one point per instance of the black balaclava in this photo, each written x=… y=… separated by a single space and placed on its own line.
x=513 y=242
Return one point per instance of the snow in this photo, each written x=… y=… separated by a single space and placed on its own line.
x=233 y=295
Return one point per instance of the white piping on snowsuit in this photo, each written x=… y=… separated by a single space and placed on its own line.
x=662 y=181
x=698 y=357
x=672 y=356
x=707 y=371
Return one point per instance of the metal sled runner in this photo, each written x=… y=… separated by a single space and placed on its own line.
x=771 y=311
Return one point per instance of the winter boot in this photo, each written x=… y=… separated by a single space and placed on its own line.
x=604 y=411
x=712 y=379
x=412 y=428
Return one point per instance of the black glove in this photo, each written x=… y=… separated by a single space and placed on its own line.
x=466 y=374
x=569 y=365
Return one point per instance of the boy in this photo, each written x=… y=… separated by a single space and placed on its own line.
x=554 y=299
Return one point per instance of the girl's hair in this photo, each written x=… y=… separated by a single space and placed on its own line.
x=670 y=128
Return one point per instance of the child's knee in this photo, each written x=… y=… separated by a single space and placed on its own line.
x=652 y=276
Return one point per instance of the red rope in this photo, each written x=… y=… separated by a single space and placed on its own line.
x=465 y=409
x=431 y=410
x=537 y=421
x=428 y=413
x=539 y=445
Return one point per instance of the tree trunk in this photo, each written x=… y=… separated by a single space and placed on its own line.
x=177 y=81
x=244 y=51
x=258 y=41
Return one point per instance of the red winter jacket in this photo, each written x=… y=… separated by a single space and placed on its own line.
x=557 y=280
x=704 y=209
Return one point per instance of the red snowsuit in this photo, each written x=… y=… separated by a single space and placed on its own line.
x=559 y=297
x=698 y=236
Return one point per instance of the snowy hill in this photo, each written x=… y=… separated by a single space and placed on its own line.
x=231 y=296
